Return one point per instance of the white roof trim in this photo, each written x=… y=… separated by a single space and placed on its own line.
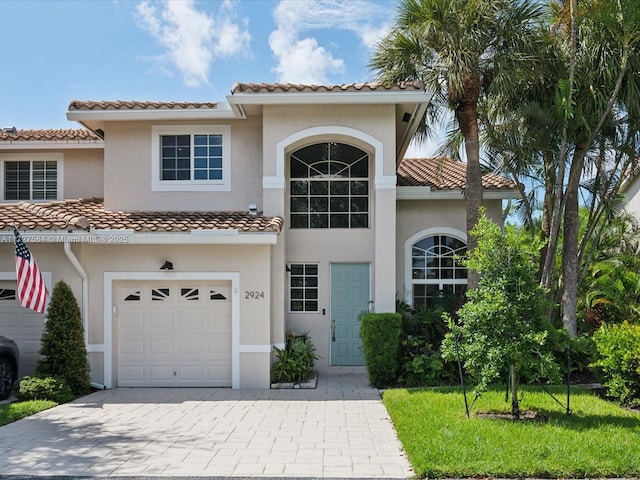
x=127 y=237
x=333 y=97
x=223 y=110
x=51 y=145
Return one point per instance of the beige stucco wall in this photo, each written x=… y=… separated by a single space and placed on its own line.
x=325 y=247
x=251 y=262
x=283 y=121
x=367 y=127
x=83 y=173
x=82 y=168
x=128 y=171
x=632 y=196
x=414 y=216
x=51 y=260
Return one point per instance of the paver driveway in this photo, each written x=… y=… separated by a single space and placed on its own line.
x=338 y=430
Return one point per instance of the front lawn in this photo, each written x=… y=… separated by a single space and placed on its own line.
x=599 y=439
x=11 y=412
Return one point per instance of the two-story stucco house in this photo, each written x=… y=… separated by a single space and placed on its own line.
x=194 y=235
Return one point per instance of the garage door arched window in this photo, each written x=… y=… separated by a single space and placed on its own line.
x=329 y=186
x=436 y=272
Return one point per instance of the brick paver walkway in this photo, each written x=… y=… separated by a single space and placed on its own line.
x=340 y=429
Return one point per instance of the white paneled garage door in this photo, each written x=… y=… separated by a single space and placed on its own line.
x=22 y=325
x=173 y=334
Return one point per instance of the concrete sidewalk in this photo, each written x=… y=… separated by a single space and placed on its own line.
x=338 y=430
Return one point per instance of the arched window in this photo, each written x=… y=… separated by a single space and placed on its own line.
x=435 y=270
x=329 y=187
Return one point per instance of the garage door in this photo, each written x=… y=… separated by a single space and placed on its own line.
x=173 y=334
x=22 y=325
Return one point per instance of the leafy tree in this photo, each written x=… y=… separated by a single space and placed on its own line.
x=610 y=289
x=462 y=50
x=572 y=132
x=63 y=351
x=502 y=329
x=619 y=360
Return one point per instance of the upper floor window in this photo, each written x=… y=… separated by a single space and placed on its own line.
x=435 y=269
x=191 y=157
x=329 y=187
x=31 y=177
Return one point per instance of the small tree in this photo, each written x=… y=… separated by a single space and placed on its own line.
x=502 y=329
x=63 y=352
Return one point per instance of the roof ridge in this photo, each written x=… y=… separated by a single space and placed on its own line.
x=240 y=87
x=138 y=105
x=45 y=134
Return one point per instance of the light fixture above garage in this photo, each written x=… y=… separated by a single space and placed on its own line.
x=167 y=265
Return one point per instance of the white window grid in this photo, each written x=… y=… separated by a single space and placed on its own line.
x=214 y=163
x=304 y=288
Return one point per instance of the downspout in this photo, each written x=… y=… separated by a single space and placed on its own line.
x=85 y=297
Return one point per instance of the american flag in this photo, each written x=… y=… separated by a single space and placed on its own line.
x=32 y=292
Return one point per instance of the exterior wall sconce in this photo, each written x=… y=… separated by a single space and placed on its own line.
x=167 y=265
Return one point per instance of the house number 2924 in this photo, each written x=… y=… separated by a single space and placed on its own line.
x=253 y=295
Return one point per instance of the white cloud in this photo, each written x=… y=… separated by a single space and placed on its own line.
x=304 y=60
x=193 y=39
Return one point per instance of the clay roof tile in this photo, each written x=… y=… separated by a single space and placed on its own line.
x=302 y=88
x=51 y=135
x=442 y=173
x=79 y=213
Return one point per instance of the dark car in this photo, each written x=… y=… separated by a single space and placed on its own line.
x=8 y=365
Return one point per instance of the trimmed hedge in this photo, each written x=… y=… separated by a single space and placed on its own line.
x=619 y=361
x=55 y=389
x=380 y=334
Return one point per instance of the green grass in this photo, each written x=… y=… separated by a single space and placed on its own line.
x=10 y=412
x=599 y=439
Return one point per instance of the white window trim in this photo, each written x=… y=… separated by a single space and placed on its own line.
x=408 y=248
x=158 y=185
x=57 y=157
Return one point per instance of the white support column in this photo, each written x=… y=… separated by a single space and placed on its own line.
x=384 y=265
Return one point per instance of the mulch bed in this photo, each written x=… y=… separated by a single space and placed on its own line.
x=525 y=416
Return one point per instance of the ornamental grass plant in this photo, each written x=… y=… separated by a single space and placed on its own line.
x=294 y=363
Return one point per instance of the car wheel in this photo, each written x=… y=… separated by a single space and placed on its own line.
x=7 y=377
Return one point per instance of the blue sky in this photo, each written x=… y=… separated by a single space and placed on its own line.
x=182 y=50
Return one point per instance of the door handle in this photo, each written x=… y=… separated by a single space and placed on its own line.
x=333 y=330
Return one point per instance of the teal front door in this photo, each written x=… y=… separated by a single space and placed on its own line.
x=349 y=298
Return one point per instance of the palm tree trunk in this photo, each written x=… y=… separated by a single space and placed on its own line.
x=570 y=244
x=467 y=116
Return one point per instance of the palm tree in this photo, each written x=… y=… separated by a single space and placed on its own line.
x=462 y=50
x=607 y=94
x=578 y=117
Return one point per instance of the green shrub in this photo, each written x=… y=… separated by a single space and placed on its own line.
x=55 y=389
x=63 y=352
x=619 y=360
x=380 y=334
x=295 y=362
x=420 y=363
